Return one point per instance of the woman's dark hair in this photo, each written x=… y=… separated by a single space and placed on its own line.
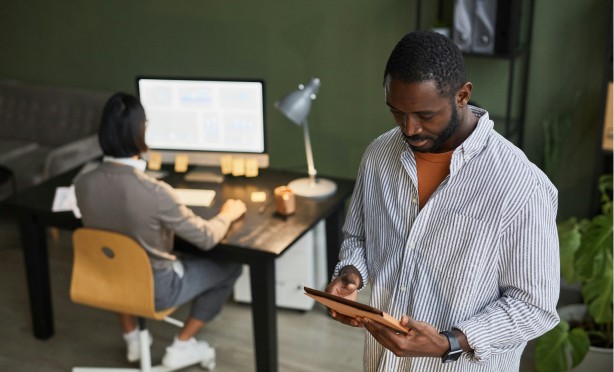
x=122 y=127
x=427 y=55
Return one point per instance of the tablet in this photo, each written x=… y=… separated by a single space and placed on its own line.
x=354 y=309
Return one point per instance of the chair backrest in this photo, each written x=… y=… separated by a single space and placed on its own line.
x=111 y=271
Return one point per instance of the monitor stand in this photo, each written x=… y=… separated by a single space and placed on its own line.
x=204 y=174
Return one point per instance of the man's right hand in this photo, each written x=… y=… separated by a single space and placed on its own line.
x=345 y=285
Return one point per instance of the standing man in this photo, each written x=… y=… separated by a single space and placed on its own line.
x=451 y=225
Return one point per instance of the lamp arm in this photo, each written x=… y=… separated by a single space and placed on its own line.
x=311 y=170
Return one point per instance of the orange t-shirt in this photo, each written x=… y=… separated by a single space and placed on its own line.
x=432 y=169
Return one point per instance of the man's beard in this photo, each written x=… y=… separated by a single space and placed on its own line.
x=437 y=141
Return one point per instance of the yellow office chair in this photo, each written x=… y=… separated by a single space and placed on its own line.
x=111 y=271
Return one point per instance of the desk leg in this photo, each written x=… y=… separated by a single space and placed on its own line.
x=34 y=246
x=264 y=314
x=334 y=238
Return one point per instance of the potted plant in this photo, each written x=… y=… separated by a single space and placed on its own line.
x=586 y=258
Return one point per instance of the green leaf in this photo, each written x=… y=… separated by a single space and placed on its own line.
x=605 y=186
x=550 y=349
x=596 y=243
x=597 y=292
x=558 y=348
x=580 y=343
x=569 y=242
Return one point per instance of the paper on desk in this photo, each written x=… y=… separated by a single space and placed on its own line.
x=196 y=197
x=65 y=200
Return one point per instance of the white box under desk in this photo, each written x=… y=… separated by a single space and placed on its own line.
x=304 y=264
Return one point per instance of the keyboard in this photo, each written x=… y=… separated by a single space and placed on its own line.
x=196 y=197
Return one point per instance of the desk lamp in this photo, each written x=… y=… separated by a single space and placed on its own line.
x=295 y=106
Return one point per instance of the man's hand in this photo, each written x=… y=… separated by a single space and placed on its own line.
x=345 y=285
x=423 y=340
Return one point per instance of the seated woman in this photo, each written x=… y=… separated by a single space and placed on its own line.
x=119 y=196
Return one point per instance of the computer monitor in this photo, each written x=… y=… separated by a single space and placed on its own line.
x=204 y=118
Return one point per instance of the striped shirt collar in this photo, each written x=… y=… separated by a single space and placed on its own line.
x=471 y=147
x=475 y=143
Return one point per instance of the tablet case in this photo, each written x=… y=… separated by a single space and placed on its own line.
x=354 y=309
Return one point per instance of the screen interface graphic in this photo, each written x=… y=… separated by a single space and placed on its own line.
x=199 y=115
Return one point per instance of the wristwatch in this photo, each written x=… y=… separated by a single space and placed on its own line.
x=455 y=351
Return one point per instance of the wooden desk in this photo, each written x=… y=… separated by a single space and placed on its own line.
x=257 y=240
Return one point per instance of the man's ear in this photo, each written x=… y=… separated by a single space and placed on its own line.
x=464 y=94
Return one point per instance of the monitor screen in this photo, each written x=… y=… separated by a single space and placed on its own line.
x=204 y=118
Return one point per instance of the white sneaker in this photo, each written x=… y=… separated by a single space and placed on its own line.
x=133 y=348
x=192 y=352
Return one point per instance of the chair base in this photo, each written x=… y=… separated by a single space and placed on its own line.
x=146 y=359
x=159 y=368
x=94 y=369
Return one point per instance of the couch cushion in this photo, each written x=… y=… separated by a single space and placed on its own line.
x=13 y=148
x=66 y=157
x=28 y=167
x=48 y=115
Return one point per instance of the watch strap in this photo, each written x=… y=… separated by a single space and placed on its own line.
x=454 y=351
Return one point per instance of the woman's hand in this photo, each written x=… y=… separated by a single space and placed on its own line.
x=232 y=209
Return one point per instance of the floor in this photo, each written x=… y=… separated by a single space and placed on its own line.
x=308 y=341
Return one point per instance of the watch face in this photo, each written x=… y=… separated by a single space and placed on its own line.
x=451 y=356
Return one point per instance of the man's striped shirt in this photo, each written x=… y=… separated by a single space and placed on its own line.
x=481 y=256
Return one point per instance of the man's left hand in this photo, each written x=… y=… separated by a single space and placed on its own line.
x=423 y=340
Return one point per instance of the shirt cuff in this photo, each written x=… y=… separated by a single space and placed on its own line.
x=476 y=339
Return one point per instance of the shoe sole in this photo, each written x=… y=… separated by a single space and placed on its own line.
x=207 y=362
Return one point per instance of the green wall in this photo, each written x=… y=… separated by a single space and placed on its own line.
x=104 y=44
x=568 y=68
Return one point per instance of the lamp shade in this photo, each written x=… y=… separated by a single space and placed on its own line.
x=296 y=105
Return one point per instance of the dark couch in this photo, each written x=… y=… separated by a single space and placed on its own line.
x=46 y=130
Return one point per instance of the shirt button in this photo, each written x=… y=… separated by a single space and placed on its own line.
x=414 y=200
x=403 y=288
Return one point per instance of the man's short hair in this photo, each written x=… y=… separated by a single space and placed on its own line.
x=427 y=55
x=122 y=127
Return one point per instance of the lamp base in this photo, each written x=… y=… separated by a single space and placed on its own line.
x=313 y=188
